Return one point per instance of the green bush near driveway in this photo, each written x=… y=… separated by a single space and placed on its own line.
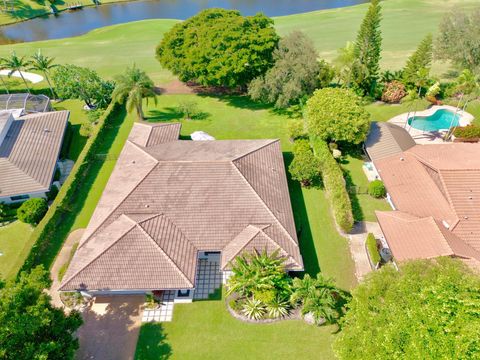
x=377 y=189
x=372 y=249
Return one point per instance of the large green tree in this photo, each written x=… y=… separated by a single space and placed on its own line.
x=430 y=309
x=76 y=82
x=30 y=327
x=458 y=39
x=134 y=86
x=418 y=65
x=305 y=167
x=296 y=73
x=335 y=114
x=367 y=51
x=219 y=47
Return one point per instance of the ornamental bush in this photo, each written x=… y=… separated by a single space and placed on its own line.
x=219 y=47
x=372 y=249
x=470 y=132
x=377 y=189
x=32 y=211
x=394 y=92
x=334 y=183
x=335 y=114
x=305 y=167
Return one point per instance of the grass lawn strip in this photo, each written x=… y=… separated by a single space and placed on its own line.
x=13 y=239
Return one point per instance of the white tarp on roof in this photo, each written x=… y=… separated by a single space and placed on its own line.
x=201 y=136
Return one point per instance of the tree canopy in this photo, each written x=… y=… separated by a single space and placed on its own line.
x=418 y=64
x=458 y=39
x=76 y=82
x=337 y=115
x=367 y=50
x=30 y=327
x=296 y=73
x=305 y=167
x=430 y=309
x=219 y=47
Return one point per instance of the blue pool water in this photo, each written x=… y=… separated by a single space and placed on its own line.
x=440 y=119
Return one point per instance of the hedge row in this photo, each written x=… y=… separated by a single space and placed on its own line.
x=334 y=184
x=372 y=249
x=45 y=230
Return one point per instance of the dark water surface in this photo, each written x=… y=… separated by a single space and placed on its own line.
x=73 y=23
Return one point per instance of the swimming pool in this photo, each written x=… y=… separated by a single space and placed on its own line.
x=440 y=119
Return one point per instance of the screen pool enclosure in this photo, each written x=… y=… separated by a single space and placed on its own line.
x=28 y=102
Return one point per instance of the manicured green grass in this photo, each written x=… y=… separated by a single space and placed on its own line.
x=109 y=50
x=13 y=239
x=205 y=330
x=74 y=141
x=363 y=205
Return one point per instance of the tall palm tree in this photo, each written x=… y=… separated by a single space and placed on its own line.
x=43 y=64
x=134 y=86
x=16 y=63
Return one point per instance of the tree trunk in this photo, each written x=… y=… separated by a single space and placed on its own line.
x=49 y=84
x=140 y=112
x=24 y=81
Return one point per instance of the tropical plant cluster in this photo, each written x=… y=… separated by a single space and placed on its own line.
x=470 y=132
x=261 y=289
x=429 y=309
x=334 y=183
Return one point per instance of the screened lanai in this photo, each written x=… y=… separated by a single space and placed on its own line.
x=28 y=102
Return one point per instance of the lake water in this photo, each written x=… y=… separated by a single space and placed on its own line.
x=73 y=23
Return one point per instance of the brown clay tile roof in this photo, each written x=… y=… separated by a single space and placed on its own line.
x=439 y=182
x=386 y=139
x=29 y=152
x=204 y=193
x=154 y=134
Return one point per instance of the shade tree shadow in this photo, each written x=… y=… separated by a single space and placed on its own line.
x=153 y=343
x=173 y=113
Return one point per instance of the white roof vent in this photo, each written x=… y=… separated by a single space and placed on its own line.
x=447 y=226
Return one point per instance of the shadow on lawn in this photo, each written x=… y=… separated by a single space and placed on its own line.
x=49 y=252
x=172 y=113
x=152 y=343
x=304 y=233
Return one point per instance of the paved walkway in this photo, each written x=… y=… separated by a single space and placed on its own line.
x=110 y=329
x=358 y=236
x=61 y=259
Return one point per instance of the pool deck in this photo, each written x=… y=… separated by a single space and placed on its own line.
x=430 y=137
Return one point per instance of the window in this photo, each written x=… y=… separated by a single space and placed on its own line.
x=183 y=293
x=19 y=197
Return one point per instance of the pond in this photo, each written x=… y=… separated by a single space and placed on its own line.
x=73 y=23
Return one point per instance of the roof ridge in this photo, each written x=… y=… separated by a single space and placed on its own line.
x=436 y=226
x=119 y=204
x=269 y=142
x=250 y=239
x=70 y=278
x=264 y=204
x=447 y=193
x=142 y=148
x=169 y=259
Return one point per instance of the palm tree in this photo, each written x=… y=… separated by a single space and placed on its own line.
x=43 y=64
x=16 y=63
x=133 y=86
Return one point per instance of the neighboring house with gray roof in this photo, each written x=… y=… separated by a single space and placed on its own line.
x=29 y=149
x=169 y=201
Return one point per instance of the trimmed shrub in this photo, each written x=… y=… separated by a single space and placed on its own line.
x=394 y=92
x=372 y=249
x=52 y=194
x=377 y=189
x=32 y=211
x=305 y=167
x=334 y=183
x=296 y=129
x=57 y=175
x=86 y=129
x=470 y=132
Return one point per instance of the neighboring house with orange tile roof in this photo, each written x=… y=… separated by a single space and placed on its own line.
x=435 y=190
x=167 y=201
x=29 y=150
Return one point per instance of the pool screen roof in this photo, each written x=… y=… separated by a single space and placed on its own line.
x=30 y=103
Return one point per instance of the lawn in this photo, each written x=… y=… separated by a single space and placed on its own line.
x=109 y=50
x=13 y=239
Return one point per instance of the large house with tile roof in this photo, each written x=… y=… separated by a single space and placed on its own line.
x=169 y=202
x=435 y=192
x=29 y=150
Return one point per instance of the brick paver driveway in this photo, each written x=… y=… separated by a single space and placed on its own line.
x=110 y=329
